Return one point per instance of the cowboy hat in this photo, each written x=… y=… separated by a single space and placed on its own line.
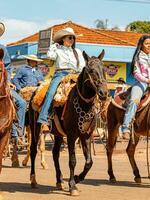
x=121 y=80
x=2 y=28
x=33 y=57
x=62 y=33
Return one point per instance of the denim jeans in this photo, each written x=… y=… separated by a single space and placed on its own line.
x=43 y=116
x=136 y=94
x=21 y=110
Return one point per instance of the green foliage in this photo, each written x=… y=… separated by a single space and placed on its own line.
x=101 y=24
x=139 y=26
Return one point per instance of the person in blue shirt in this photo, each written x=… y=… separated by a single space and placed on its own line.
x=19 y=102
x=28 y=75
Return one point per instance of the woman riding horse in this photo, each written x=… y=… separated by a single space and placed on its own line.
x=139 y=120
x=67 y=59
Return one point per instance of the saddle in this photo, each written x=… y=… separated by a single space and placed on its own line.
x=27 y=92
x=63 y=90
x=121 y=101
x=61 y=95
x=39 y=96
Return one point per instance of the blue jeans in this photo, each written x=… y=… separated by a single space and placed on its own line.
x=43 y=116
x=136 y=94
x=21 y=110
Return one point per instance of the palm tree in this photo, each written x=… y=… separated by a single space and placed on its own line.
x=101 y=24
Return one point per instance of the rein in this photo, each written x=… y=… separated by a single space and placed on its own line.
x=84 y=99
x=87 y=100
x=147 y=146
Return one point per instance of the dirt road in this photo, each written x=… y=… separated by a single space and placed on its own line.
x=15 y=183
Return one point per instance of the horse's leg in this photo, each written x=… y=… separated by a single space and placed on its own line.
x=3 y=143
x=86 y=146
x=6 y=152
x=35 y=131
x=42 y=151
x=56 y=152
x=14 y=158
x=72 y=164
x=26 y=159
x=111 y=141
x=130 y=152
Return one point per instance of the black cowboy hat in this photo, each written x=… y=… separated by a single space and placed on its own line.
x=121 y=80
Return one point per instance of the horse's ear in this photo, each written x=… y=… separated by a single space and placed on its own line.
x=101 y=55
x=86 y=57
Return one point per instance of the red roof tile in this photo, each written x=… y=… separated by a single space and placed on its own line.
x=90 y=35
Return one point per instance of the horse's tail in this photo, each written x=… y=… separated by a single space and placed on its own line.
x=34 y=126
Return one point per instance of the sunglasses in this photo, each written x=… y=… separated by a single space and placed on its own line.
x=71 y=38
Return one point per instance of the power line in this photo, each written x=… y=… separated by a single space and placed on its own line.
x=133 y=1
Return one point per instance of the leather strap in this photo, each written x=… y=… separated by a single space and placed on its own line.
x=76 y=56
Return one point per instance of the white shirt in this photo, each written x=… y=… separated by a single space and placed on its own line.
x=65 y=58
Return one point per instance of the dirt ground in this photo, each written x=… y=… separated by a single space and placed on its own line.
x=15 y=182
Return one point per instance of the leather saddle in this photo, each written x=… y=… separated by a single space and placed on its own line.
x=121 y=101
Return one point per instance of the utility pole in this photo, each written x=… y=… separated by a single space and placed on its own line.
x=106 y=23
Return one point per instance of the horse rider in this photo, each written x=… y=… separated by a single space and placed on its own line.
x=121 y=87
x=19 y=102
x=67 y=58
x=140 y=67
x=29 y=74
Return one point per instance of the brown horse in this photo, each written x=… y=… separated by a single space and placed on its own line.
x=141 y=127
x=79 y=120
x=6 y=109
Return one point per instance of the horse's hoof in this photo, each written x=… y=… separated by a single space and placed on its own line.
x=60 y=186
x=24 y=163
x=77 y=179
x=112 y=180
x=33 y=181
x=44 y=165
x=15 y=164
x=34 y=185
x=74 y=192
x=137 y=180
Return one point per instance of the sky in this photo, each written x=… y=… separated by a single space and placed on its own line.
x=26 y=17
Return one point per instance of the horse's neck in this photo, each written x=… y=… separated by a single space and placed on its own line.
x=82 y=98
x=87 y=92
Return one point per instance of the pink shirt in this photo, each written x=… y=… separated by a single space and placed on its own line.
x=142 y=67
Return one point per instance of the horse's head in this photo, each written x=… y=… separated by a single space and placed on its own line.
x=94 y=75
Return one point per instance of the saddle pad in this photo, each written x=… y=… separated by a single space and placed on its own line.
x=122 y=103
x=27 y=92
x=63 y=90
x=40 y=95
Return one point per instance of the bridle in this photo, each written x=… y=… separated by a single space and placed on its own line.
x=88 y=100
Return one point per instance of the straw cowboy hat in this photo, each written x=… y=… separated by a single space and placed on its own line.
x=2 y=28
x=64 y=32
x=33 y=57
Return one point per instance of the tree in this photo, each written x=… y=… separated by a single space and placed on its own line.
x=101 y=24
x=115 y=28
x=139 y=26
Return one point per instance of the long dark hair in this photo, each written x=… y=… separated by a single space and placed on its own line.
x=137 y=51
x=62 y=43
